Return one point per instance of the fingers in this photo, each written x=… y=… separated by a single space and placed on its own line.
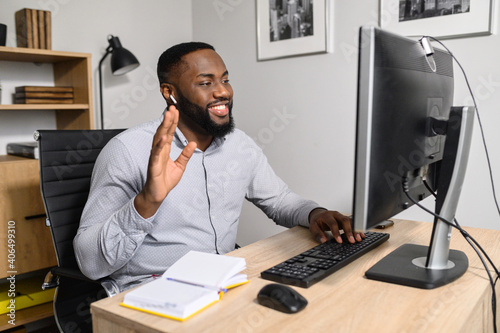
x=318 y=231
x=334 y=221
x=346 y=223
x=165 y=132
x=185 y=155
x=174 y=122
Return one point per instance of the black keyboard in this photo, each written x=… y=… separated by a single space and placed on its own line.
x=315 y=264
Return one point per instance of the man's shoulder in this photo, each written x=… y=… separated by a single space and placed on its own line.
x=239 y=136
x=135 y=139
x=147 y=129
x=240 y=141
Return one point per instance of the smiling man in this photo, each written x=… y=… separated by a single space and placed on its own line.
x=178 y=183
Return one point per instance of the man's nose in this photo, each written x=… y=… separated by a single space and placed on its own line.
x=222 y=91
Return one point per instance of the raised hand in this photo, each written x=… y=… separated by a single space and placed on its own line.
x=163 y=173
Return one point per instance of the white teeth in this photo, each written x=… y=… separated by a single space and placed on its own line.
x=218 y=107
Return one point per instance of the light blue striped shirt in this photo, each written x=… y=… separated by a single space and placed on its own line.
x=201 y=213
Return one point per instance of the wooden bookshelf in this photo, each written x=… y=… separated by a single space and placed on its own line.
x=36 y=107
x=70 y=69
x=20 y=198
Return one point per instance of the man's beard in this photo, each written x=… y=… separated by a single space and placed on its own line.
x=201 y=117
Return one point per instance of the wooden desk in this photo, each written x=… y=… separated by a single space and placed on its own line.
x=344 y=302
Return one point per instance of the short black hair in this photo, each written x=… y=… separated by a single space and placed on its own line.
x=172 y=58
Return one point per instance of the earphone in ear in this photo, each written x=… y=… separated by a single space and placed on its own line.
x=173 y=99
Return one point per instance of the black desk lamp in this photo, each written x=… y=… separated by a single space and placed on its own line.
x=122 y=61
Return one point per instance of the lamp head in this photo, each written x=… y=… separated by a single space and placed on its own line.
x=122 y=60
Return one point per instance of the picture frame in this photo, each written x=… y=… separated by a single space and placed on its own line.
x=437 y=18
x=279 y=35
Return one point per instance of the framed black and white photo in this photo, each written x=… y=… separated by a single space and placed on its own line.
x=437 y=18
x=288 y=28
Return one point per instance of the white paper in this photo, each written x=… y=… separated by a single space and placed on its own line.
x=207 y=269
x=170 y=298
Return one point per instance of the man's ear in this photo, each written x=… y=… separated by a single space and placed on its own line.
x=167 y=90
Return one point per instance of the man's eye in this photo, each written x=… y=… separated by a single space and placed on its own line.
x=205 y=83
x=225 y=81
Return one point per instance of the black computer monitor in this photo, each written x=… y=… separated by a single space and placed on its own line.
x=410 y=143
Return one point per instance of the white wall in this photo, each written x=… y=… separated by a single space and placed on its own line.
x=313 y=150
x=146 y=28
x=301 y=110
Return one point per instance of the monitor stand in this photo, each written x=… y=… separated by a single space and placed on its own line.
x=399 y=267
x=432 y=266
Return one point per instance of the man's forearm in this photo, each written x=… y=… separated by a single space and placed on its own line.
x=103 y=248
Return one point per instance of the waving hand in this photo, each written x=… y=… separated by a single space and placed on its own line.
x=163 y=172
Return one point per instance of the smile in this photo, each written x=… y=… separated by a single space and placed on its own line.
x=219 y=110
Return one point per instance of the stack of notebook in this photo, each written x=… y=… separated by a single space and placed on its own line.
x=194 y=282
x=43 y=95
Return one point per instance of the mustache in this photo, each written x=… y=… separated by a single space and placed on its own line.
x=219 y=101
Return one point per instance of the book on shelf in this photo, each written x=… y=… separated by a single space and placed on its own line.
x=41 y=30
x=47 y=89
x=55 y=95
x=48 y=29
x=24 y=29
x=43 y=100
x=34 y=28
x=43 y=95
x=34 y=25
x=191 y=284
x=24 y=149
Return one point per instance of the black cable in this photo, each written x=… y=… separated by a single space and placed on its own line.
x=209 y=207
x=478 y=118
x=467 y=235
x=468 y=238
x=493 y=283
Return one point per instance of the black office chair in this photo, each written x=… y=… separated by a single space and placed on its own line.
x=67 y=158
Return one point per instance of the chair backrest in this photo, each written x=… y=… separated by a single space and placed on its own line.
x=67 y=158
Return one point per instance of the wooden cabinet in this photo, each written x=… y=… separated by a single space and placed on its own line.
x=21 y=205
x=23 y=214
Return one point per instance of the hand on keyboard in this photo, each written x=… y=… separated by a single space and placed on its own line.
x=322 y=220
x=315 y=264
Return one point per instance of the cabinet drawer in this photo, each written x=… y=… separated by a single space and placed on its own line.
x=21 y=210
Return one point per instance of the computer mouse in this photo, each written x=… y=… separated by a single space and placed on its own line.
x=282 y=298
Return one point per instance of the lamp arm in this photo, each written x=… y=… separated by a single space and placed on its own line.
x=108 y=51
